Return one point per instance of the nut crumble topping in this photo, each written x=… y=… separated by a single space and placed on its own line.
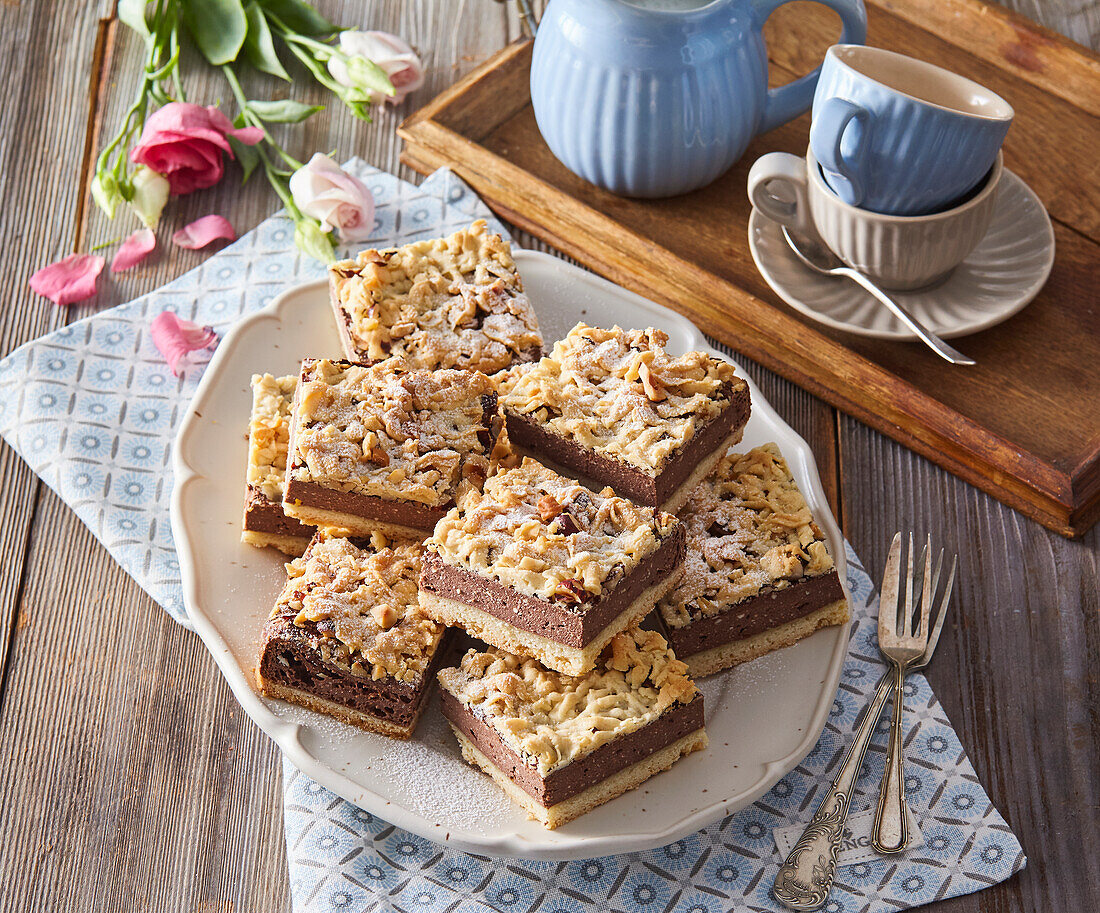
x=391 y=432
x=548 y=536
x=358 y=600
x=619 y=392
x=748 y=529
x=551 y=719
x=269 y=433
x=454 y=302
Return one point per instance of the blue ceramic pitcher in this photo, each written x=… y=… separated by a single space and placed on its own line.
x=651 y=98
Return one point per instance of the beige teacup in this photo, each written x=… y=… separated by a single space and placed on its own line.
x=898 y=252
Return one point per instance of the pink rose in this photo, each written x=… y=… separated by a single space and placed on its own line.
x=324 y=191
x=185 y=142
x=391 y=53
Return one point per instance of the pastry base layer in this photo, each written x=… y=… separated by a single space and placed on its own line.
x=551 y=653
x=288 y=545
x=339 y=711
x=353 y=523
x=736 y=652
x=626 y=779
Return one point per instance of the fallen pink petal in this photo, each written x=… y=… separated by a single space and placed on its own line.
x=204 y=231
x=133 y=250
x=70 y=280
x=174 y=338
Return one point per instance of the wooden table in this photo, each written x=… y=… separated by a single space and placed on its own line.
x=130 y=778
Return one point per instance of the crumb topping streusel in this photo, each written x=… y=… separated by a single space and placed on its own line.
x=269 y=433
x=454 y=302
x=547 y=536
x=391 y=432
x=358 y=600
x=748 y=529
x=550 y=719
x=620 y=392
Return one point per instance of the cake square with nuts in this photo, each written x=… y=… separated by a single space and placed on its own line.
x=347 y=637
x=758 y=575
x=265 y=523
x=386 y=448
x=453 y=302
x=560 y=745
x=539 y=565
x=613 y=407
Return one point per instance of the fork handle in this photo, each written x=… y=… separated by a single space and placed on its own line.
x=891 y=830
x=805 y=878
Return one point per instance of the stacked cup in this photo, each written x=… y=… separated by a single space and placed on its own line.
x=901 y=177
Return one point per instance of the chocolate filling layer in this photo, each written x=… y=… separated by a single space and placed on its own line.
x=573 y=625
x=264 y=516
x=405 y=513
x=579 y=775
x=627 y=480
x=767 y=609
x=289 y=658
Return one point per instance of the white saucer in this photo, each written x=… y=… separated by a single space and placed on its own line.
x=1002 y=275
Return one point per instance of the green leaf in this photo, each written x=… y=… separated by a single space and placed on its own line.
x=246 y=155
x=312 y=241
x=283 y=111
x=299 y=16
x=218 y=27
x=258 y=46
x=132 y=13
x=366 y=74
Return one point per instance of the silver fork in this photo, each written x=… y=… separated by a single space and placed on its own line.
x=904 y=640
x=806 y=877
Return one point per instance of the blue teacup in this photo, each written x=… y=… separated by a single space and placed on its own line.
x=900 y=136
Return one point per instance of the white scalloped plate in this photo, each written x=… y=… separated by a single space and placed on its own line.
x=1000 y=277
x=762 y=718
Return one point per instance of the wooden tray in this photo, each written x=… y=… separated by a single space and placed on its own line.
x=1024 y=424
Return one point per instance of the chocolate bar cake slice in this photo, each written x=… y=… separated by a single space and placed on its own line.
x=386 y=448
x=265 y=523
x=347 y=637
x=560 y=745
x=454 y=302
x=758 y=575
x=612 y=407
x=538 y=565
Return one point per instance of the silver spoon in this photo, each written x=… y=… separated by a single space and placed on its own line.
x=822 y=260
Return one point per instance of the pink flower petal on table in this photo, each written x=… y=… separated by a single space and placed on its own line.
x=174 y=338
x=133 y=250
x=203 y=231
x=70 y=280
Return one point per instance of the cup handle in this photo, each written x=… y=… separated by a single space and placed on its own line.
x=788 y=171
x=831 y=119
x=789 y=101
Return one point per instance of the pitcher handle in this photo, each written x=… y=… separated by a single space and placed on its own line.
x=789 y=101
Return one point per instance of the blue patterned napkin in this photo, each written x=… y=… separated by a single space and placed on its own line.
x=93 y=409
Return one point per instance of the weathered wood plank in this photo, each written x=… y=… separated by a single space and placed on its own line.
x=42 y=150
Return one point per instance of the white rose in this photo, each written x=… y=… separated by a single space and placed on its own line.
x=389 y=52
x=324 y=191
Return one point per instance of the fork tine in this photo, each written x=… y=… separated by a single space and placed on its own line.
x=941 y=615
x=905 y=606
x=888 y=595
x=928 y=592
